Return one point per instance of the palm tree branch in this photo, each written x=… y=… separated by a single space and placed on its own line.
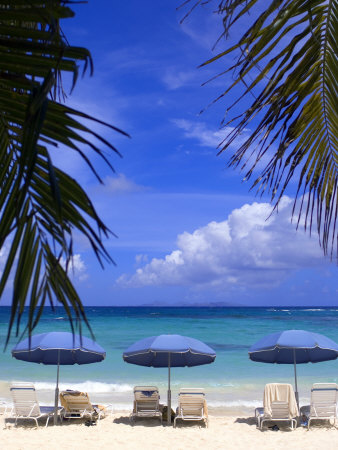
x=290 y=52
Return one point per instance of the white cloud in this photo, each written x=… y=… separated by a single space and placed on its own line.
x=203 y=28
x=251 y=249
x=77 y=268
x=141 y=258
x=205 y=136
x=4 y=250
x=120 y=183
x=174 y=79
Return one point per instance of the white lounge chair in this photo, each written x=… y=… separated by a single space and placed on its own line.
x=146 y=402
x=279 y=405
x=323 y=402
x=76 y=405
x=192 y=405
x=26 y=405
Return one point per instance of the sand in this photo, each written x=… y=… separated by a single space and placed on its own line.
x=115 y=432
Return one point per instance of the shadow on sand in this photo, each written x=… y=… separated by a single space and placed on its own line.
x=270 y=426
x=125 y=420
x=149 y=422
x=248 y=420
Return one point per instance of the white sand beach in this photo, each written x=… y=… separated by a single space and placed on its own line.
x=115 y=431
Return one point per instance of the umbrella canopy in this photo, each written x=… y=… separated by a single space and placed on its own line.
x=283 y=347
x=58 y=348
x=169 y=350
x=184 y=351
x=294 y=347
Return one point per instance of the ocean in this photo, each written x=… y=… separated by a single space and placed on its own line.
x=233 y=383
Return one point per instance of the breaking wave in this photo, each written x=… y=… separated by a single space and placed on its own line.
x=94 y=387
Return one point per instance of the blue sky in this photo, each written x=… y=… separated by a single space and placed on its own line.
x=189 y=231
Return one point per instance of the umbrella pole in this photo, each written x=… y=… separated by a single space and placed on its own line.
x=56 y=402
x=295 y=369
x=169 y=395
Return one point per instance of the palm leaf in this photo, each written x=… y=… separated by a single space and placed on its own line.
x=287 y=58
x=41 y=206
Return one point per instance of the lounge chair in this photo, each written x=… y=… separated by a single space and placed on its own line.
x=279 y=405
x=76 y=405
x=192 y=405
x=26 y=405
x=323 y=402
x=146 y=402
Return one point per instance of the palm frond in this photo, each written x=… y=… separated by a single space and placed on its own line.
x=287 y=58
x=40 y=205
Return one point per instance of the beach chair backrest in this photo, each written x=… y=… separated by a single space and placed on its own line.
x=146 y=398
x=75 y=402
x=279 y=400
x=191 y=401
x=280 y=410
x=25 y=400
x=324 y=399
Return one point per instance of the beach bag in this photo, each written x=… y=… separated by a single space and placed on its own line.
x=165 y=413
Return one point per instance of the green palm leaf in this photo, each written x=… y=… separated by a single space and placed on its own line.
x=40 y=205
x=288 y=62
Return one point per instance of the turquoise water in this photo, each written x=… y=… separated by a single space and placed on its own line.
x=232 y=382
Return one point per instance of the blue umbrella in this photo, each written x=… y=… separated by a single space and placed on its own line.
x=169 y=350
x=58 y=348
x=294 y=347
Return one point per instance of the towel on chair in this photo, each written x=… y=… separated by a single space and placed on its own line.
x=278 y=392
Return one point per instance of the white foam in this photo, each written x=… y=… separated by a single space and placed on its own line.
x=94 y=387
x=235 y=404
x=313 y=309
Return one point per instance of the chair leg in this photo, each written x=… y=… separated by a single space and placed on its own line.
x=261 y=424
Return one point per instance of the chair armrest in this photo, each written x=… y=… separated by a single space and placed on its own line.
x=259 y=411
x=32 y=409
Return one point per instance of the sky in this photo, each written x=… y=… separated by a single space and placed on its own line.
x=189 y=230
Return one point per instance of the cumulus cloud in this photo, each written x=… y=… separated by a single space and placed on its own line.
x=251 y=249
x=205 y=136
x=77 y=268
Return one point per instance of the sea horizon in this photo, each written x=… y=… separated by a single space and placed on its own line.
x=311 y=307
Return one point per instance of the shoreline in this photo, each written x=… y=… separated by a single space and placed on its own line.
x=227 y=401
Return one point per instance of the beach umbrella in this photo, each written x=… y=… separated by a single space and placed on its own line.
x=169 y=350
x=294 y=347
x=58 y=348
